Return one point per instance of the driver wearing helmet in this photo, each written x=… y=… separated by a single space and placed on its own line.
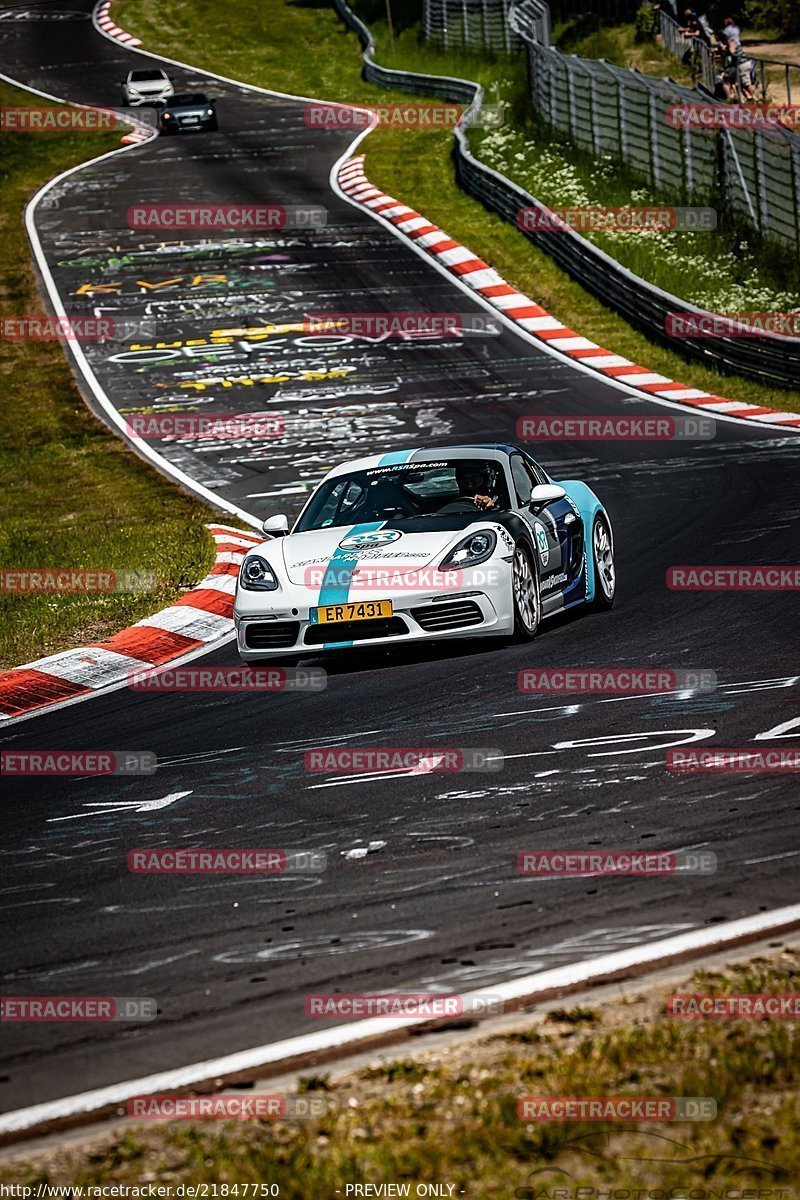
x=474 y=481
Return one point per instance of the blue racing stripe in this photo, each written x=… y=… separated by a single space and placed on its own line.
x=396 y=456
x=339 y=572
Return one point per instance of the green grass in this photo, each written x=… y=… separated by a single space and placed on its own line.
x=74 y=495
x=312 y=54
x=450 y=1116
x=591 y=36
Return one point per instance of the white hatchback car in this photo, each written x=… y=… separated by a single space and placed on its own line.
x=150 y=86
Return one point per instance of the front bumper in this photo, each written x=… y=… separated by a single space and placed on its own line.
x=182 y=125
x=277 y=624
x=153 y=100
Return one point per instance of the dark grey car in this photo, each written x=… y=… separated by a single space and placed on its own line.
x=186 y=112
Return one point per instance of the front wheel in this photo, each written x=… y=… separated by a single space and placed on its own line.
x=525 y=594
x=605 y=574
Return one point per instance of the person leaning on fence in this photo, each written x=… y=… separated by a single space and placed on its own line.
x=735 y=81
x=730 y=30
x=746 y=71
x=699 y=32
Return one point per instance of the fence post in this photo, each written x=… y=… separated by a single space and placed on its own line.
x=571 y=93
x=688 y=153
x=622 y=107
x=727 y=140
x=795 y=160
x=655 y=159
x=761 y=181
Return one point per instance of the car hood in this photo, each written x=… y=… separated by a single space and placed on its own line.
x=152 y=85
x=402 y=546
x=187 y=110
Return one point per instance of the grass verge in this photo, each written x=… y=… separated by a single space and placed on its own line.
x=450 y=1116
x=313 y=55
x=74 y=495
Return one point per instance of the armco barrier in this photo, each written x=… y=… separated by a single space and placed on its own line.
x=771 y=359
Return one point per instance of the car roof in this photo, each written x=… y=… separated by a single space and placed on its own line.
x=496 y=451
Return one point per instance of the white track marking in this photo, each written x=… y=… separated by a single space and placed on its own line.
x=110 y=806
x=113 y=417
x=699 y=941
x=778 y=731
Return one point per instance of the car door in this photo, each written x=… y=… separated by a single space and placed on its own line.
x=557 y=533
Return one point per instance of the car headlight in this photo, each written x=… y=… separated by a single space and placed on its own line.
x=471 y=550
x=257 y=575
x=209 y=112
x=133 y=91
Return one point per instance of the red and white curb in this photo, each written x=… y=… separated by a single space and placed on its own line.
x=199 y=618
x=107 y=25
x=531 y=317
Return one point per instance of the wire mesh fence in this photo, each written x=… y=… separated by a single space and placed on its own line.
x=687 y=156
x=673 y=137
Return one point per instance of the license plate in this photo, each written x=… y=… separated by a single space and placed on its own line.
x=190 y=121
x=350 y=610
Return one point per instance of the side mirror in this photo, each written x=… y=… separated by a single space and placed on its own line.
x=544 y=494
x=276 y=526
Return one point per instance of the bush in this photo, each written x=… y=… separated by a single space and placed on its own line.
x=646 y=23
x=783 y=15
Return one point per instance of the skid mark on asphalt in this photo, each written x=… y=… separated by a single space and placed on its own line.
x=322 y=946
x=575 y=949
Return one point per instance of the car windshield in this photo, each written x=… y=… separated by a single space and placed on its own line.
x=147 y=77
x=407 y=490
x=187 y=98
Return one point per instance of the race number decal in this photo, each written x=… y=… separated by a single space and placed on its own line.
x=542 y=544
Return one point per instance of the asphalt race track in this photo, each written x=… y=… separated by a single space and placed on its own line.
x=421 y=889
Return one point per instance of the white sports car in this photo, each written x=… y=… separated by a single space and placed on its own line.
x=151 y=86
x=421 y=545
